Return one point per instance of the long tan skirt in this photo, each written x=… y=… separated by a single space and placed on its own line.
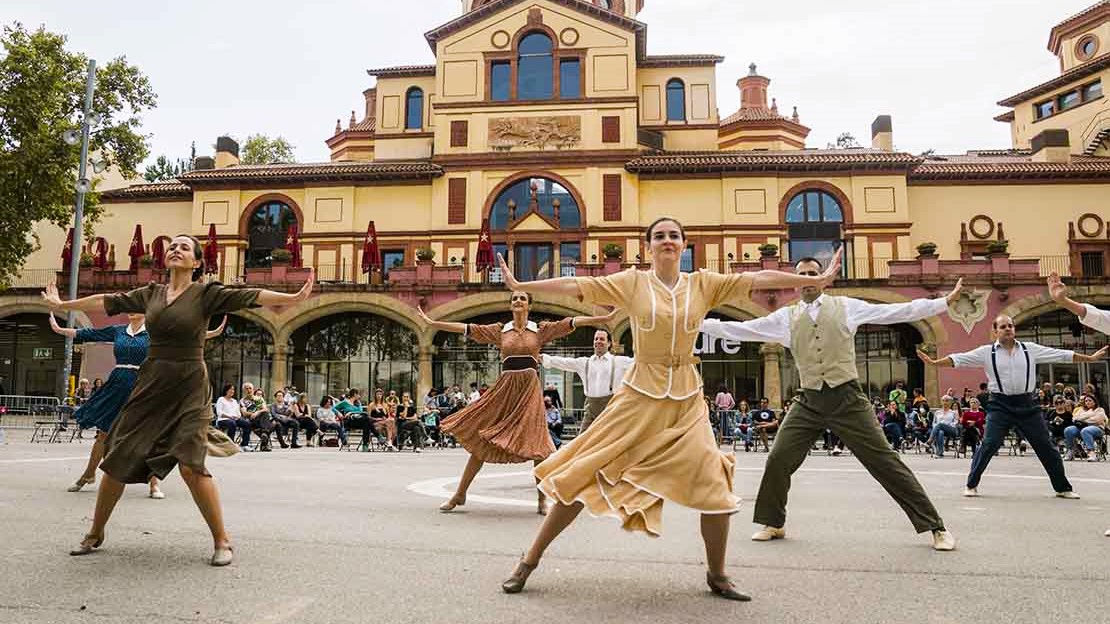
x=506 y=425
x=638 y=452
x=166 y=421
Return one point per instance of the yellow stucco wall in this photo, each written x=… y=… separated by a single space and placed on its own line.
x=1082 y=122
x=1067 y=46
x=701 y=94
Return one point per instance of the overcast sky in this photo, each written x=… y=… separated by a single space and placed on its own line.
x=292 y=68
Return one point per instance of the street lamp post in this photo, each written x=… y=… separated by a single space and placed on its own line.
x=83 y=185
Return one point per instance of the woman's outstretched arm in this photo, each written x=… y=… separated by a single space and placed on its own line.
x=458 y=328
x=567 y=286
x=270 y=298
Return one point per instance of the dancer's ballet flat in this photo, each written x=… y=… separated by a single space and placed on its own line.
x=515 y=583
x=722 y=586
x=452 y=503
x=87 y=545
x=80 y=483
x=222 y=556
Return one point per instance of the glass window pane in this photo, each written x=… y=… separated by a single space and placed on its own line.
x=570 y=78
x=535 y=68
x=1044 y=109
x=535 y=43
x=1068 y=100
x=813 y=206
x=676 y=101
x=1092 y=91
x=414 y=110
x=686 y=262
x=499 y=76
x=831 y=209
x=795 y=210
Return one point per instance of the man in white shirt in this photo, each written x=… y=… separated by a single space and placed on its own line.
x=474 y=394
x=1011 y=369
x=601 y=374
x=820 y=332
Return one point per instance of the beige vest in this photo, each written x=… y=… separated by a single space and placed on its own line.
x=824 y=350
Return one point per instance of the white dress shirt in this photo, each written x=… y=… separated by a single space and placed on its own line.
x=1017 y=377
x=775 y=327
x=227 y=409
x=1098 y=320
x=603 y=370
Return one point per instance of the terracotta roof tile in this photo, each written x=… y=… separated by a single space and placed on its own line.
x=1085 y=12
x=1077 y=73
x=403 y=71
x=172 y=189
x=314 y=172
x=777 y=160
x=752 y=114
x=1065 y=28
x=1003 y=165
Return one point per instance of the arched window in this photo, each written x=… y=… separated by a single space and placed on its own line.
x=353 y=350
x=414 y=109
x=535 y=68
x=541 y=195
x=244 y=352
x=676 y=100
x=813 y=220
x=266 y=231
x=1060 y=329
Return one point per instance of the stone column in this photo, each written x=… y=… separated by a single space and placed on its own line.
x=772 y=373
x=279 y=366
x=424 y=370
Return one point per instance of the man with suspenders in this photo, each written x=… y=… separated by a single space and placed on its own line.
x=1011 y=369
x=601 y=374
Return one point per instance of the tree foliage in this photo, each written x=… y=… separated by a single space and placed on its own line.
x=164 y=170
x=42 y=92
x=845 y=140
x=260 y=149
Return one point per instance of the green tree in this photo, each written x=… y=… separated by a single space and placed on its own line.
x=845 y=140
x=260 y=149
x=164 y=170
x=42 y=92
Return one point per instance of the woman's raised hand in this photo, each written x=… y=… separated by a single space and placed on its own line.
x=51 y=297
x=57 y=329
x=423 y=316
x=306 y=290
x=506 y=274
x=833 y=271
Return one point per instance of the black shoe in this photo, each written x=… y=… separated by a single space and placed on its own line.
x=722 y=586
x=294 y=445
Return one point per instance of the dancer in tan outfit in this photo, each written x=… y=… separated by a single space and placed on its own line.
x=507 y=424
x=652 y=442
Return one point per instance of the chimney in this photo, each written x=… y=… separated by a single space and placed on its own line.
x=1052 y=146
x=753 y=89
x=227 y=152
x=371 y=96
x=882 y=133
x=203 y=162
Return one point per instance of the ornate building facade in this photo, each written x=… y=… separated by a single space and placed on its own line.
x=548 y=126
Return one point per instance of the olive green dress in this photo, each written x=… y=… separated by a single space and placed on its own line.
x=167 y=420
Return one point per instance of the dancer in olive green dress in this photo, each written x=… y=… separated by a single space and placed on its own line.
x=166 y=421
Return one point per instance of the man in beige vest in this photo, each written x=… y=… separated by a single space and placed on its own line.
x=601 y=374
x=820 y=331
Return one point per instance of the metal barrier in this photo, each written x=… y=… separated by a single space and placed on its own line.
x=21 y=412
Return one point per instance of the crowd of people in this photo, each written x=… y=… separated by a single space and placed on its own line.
x=1078 y=424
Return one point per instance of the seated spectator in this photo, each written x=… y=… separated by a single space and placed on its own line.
x=253 y=407
x=474 y=394
x=554 y=421
x=972 y=421
x=82 y=392
x=353 y=416
x=408 y=424
x=1059 y=418
x=285 y=421
x=302 y=411
x=431 y=419
x=98 y=383
x=741 y=423
x=1088 y=422
x=229 y=417
x=945 y=423
x=328 y=420
x=764 y=422
x=381 y=419
x=894 y=424
x=918 y=398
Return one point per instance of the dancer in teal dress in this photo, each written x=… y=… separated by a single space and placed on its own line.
x=130 y=344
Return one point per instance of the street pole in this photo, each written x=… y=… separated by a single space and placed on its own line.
x=78 y=215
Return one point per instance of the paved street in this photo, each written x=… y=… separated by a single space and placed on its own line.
x=324 y=536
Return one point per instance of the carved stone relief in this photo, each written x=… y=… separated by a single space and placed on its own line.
x=538 y=133
x=970 y=308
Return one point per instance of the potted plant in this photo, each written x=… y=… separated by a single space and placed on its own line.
x=85 y=270
x=612 y=251
x=397 y=263
x=926 y=250
x=281 y=256
x=145 y=273
x=425 y=254
x=998 y=248
x=425 y=262
x=768 y=250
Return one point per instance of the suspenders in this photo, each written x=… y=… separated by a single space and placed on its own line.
x=994 y=364
x=612 y=373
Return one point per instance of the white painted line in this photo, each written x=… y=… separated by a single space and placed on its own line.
x=443 y=489
x=45 y=459
x=931 y=473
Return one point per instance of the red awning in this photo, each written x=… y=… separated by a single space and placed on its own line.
x=293 y=246
x=137 y=248
x=371 y=255
x=211 y=251
x=484 y=259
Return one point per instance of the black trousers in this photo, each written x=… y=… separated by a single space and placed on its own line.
x=1005 y=412
x=308 y=426
x=415 y=431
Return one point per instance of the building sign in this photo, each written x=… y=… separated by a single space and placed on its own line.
x=42 y=353
x=710 y=345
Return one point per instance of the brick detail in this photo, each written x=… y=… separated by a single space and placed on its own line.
x=459 y=133
x=610 y=129
x=611 y=197
x=456 y=201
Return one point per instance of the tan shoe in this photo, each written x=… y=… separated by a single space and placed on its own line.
x=87 y=545
x=80 y=483
x=515 y=583
x=943 y=541
x=222 y=556
x=971 y=492
x=1107 y=533
x=1070 y=495
x=768 y=533
x=451 y=504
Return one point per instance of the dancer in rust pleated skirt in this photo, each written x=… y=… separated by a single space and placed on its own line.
x=506 y=425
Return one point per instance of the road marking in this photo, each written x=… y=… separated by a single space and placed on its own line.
x=45 y=459
x=444 y=487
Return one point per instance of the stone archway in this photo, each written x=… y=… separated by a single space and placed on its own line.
x=1033 y=306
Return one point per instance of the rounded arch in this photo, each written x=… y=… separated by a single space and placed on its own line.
x=414 y=108
x=932 y=330
x=675 y=98
x=528 y=29
x=1032 y=306
x=245 y=216
x=34 y=305
x=328 y=304
x=491 y=199
x=817 y=185
x=498 y=302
